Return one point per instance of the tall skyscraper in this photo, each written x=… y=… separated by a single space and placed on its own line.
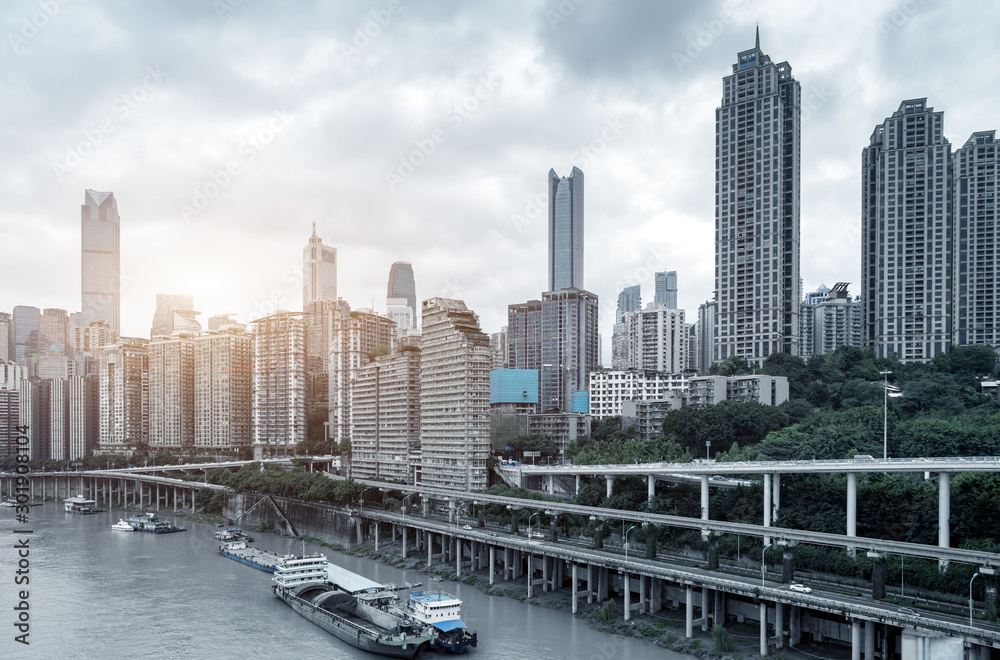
x=100 y=264
x=666 y=288
x=323 y=318
x=173 y=312
x=454 y=397
x=279 y=383
x=706 y=336
x=569 y=345
x=906 y=229
x=757 y=210
x=566 y=230
x=25 y=332
x=402 y=285
x=629 y=300
x=976 y=302
x=6 y=337
x=319 y=271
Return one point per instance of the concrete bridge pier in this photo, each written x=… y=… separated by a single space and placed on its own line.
x=855 y=640
x=944 y=515
x=767 y=505
x=689 y=613
x=404 y=541
x=704 y=503
x=650 y=487
x=576 y=586
x=590 y=583
x=852 y=508
x=869 y=640
x=779 y=624
x=425 y=507
x=763 y=627
x=643 y=598
x=611 y=484
x=704 y=609
x=602 y=584
x=577 y=491
x=451 y=511
x=493 y=564
x=794 y=625
x=776 y=498
x=628 y=596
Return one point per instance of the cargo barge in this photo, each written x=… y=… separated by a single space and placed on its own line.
x=262 y=560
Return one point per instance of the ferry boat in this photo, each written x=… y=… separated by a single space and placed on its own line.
x=442 y=610
x=80 y=504
x=365 y=619
x=259 y=559
x=9 y=502
x=122 y=526
x=152 y=524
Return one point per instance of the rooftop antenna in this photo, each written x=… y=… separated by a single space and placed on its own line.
x=756 y=45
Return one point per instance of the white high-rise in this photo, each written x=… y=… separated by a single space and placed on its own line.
x=279 y=383
x=757 y=210
x=319 y=271
x=100 y=262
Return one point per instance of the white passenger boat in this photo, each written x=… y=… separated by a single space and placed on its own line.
x=122 y=526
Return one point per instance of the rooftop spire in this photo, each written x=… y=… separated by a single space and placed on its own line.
x=757 y=40
x=314 y=229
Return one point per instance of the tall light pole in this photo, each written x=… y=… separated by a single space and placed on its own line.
x=708 y=450
x=529 y=523
x=885 y=414
x=762 y=565
x=626 y=542
x=970 y=597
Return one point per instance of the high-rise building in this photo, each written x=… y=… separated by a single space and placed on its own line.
x=831 y=322
x=906 y=229
x=454 y=397
x=706 y=336
x=566 y=230
x=569 y=345
x=53 y=332
x=666 y=288
x=357 y=337
x=11 y=381
x=319 y=271
x=322 y=318
x=100 y=264
x=524 y=335
x=629 y=300
x=171 y=392
x=173 y=312
x=83 y=415
x=6 y=337
x=656 y=339
x=385 y=416
x=124 y=395
x=402 y=285
x=36 y=413
x=223 y=387
x=279 y=383
x=399 y=310
x=976 y=301
x=25 y=332
x=498 y=349
x=757 y=210
x=89 y=343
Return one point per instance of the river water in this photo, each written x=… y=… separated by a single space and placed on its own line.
x=97 y=593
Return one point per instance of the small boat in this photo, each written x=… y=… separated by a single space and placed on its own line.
x=9 y=502
x=122 y=526
x=151 y=523
x=82 y=505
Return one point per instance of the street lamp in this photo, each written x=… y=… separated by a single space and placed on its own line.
x=970 y=597
x=626 y=542
x=529 y=523
x=762 y=565
x=708 y=450
x=362 y=496
x=887 y=391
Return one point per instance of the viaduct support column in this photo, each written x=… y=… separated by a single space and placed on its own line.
x=577 y=491
x=404 y=541
x=590 y=583
x=767 y=507
x=611 y=484
x=493 y=563
x=430 y=549
x=650 y=487
x=704 y=503
x=576 y=596
x=869 y=640
x=688 y=613
x=763 y=623
x=855 y=640
x=776 y=501
x=451 y=511
x=779 y=624
x=704 y=608
x=944 y=514
x=852 y=508
x=628 y=596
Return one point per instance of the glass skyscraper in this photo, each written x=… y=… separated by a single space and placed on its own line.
x=402 y=285
x=666 y=289
x=566 y=230
x=757 y=283
x=319 y=271
x=100 y=263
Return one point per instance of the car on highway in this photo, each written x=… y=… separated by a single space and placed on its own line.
x=467 y=527
x=907 y=610
x=801 y=588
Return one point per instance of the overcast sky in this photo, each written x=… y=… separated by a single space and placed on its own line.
x=317 y=109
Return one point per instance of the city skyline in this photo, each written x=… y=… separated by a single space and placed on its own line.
x=650 y=186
